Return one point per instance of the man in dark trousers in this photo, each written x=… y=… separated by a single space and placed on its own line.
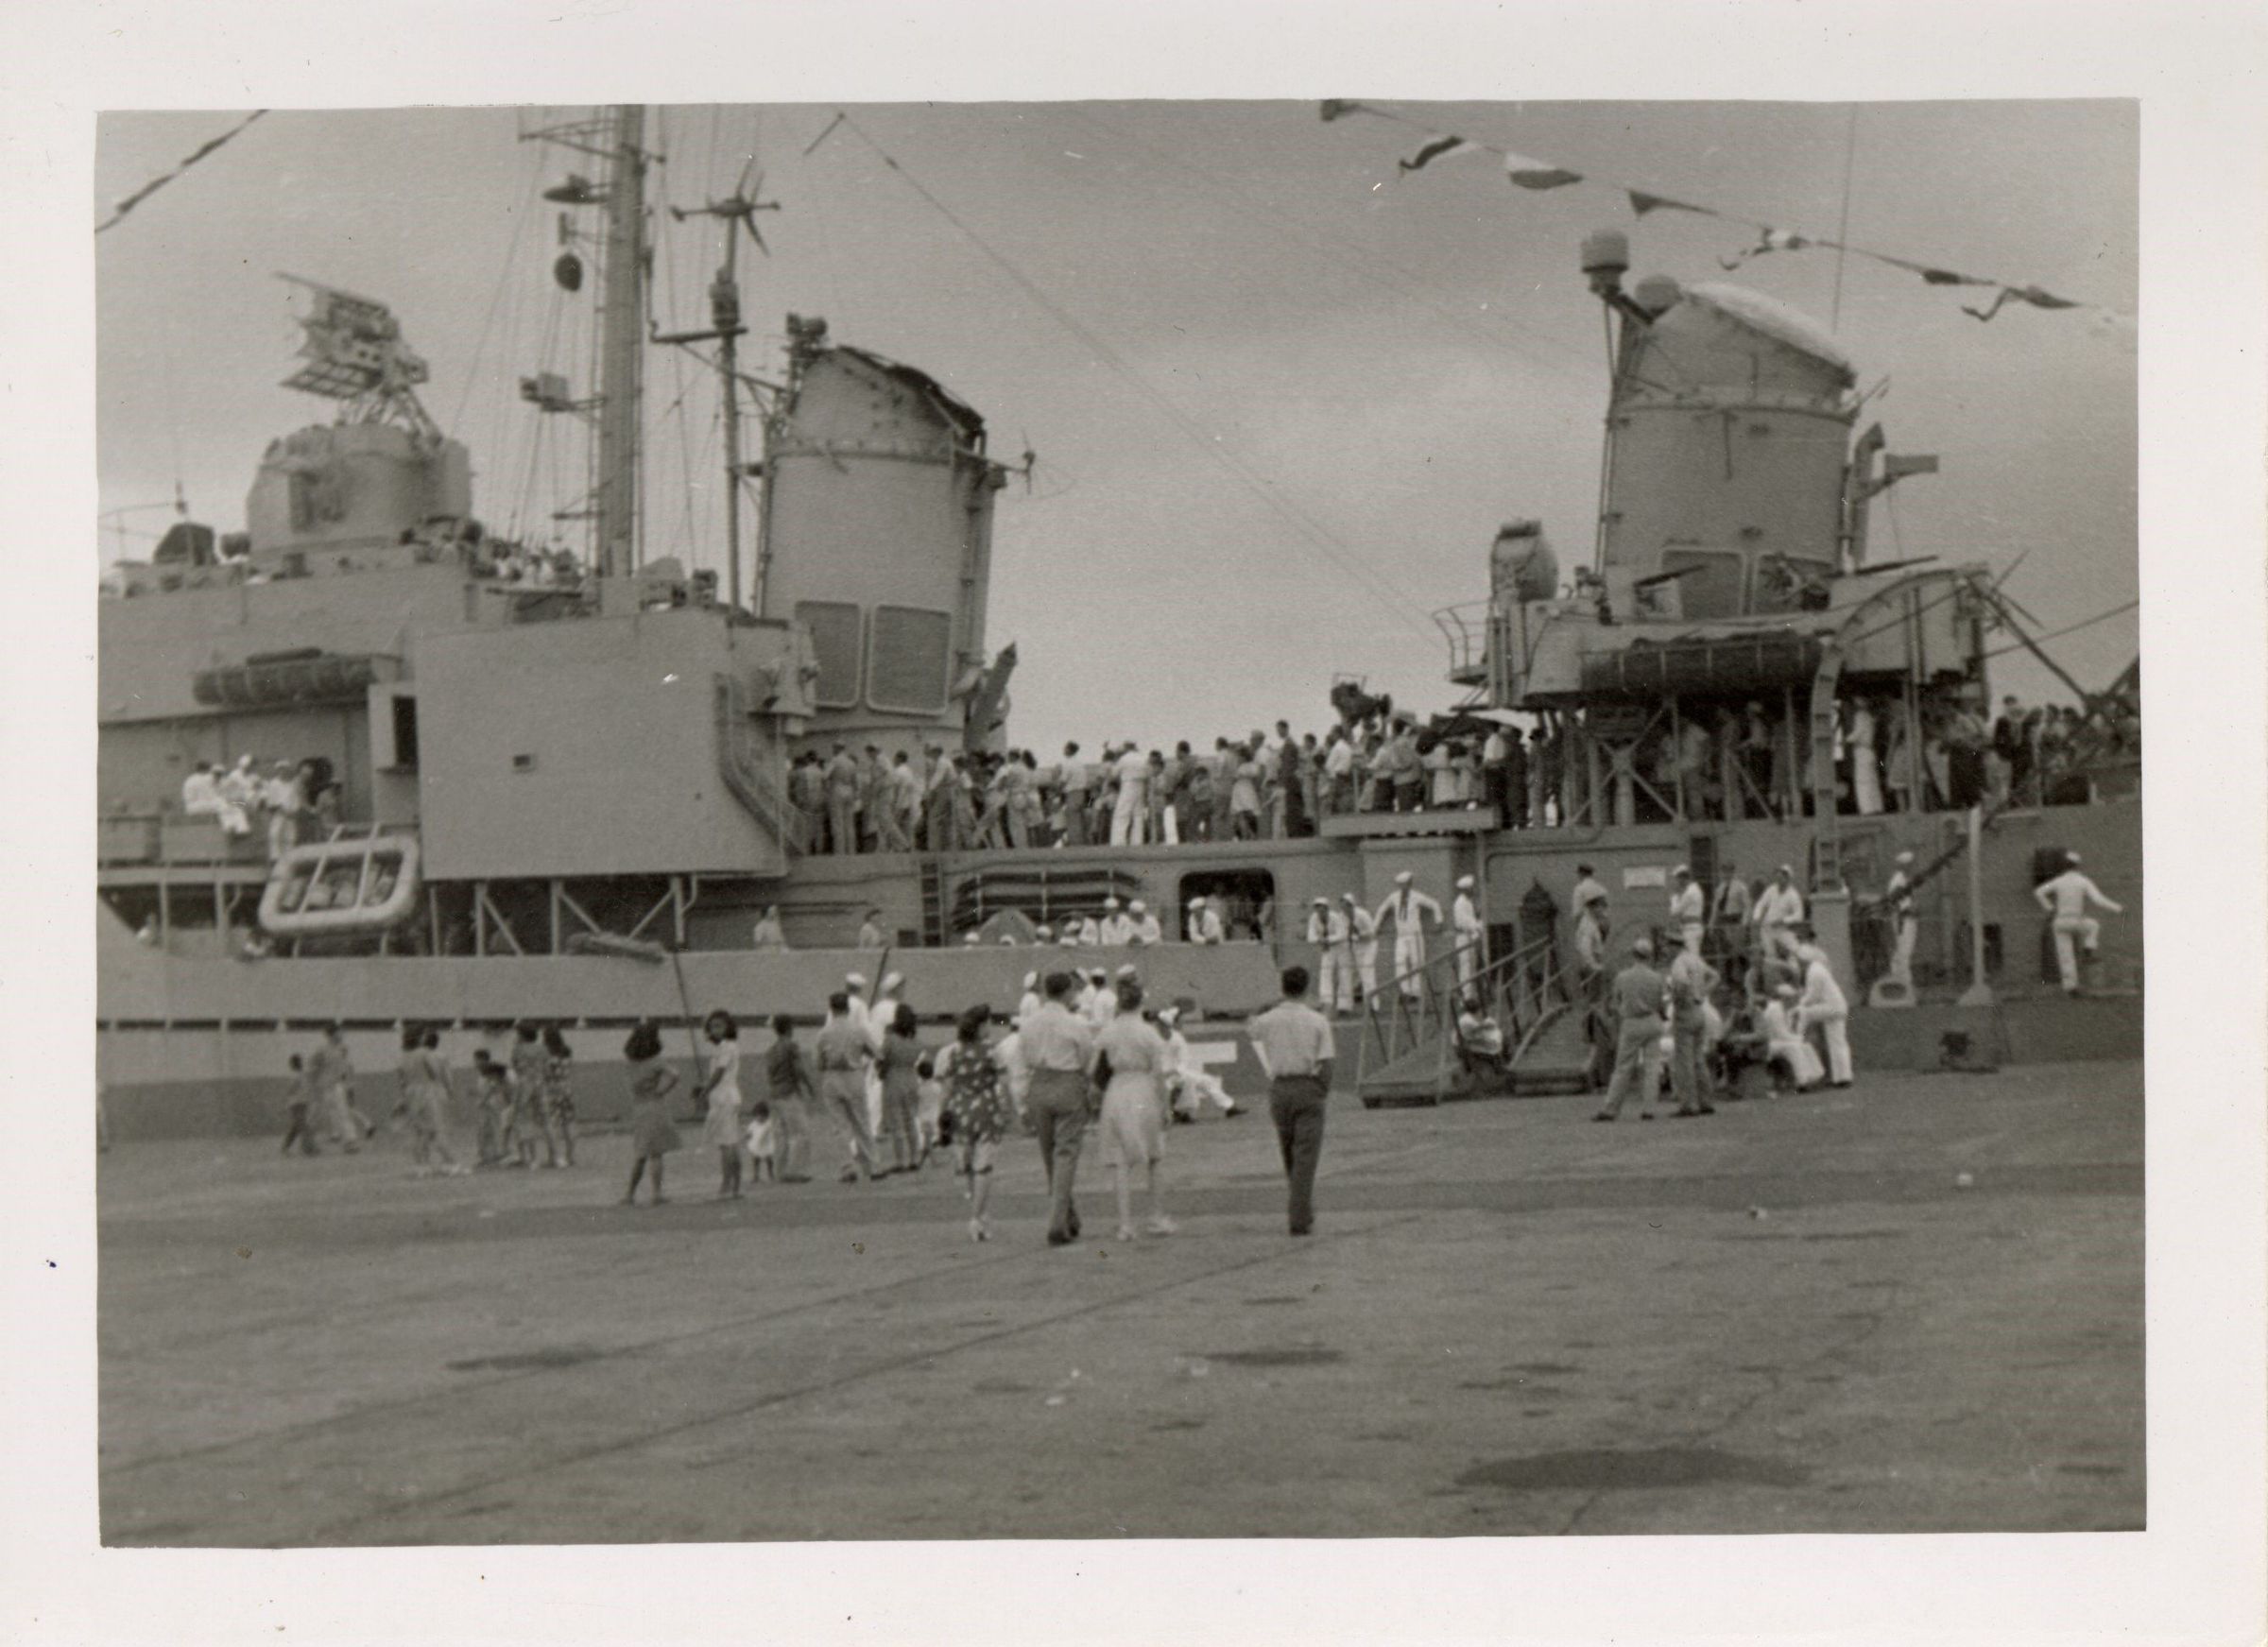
x=1636 y=1005
x=1056 y=1049
x=1295 y=1045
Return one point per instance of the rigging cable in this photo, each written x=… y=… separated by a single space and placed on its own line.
x=2070 y=628
x=504 y=283
x=1332 y=548
x=1850 y=153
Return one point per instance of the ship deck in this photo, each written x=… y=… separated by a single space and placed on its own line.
x=1793 y=1317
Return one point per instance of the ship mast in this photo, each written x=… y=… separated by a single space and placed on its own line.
x=622 y=347
x=737 y=210
x=616 y=136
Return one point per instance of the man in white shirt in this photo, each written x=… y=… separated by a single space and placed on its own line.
x=1086 y=932
x=1327 y=930
x=1409 y=908
x=1204 y=922
x=2066 y=898
x=1361 y=943
x=1689 y=908
x=1031 y=1001
x=1129 y=818
x=1778 y=911
x=1469 y=935
x=1338 y=774
x=1897 y=901
x=1822 y=1004
x=1115 y=929
x=1101 y=1000
x=1148 y=930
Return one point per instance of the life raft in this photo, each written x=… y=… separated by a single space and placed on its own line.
x=350 y=885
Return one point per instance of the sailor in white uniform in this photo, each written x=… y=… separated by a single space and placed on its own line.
x=1129 y=817
x=2066 y=898
x=1897 y=899
x=1465 y=923
x=1204 y=922
x=1116 y=929
x=1327 y=930
x=1409 y=907
x=1822 y=1004
x=1362 y=947
x=1145 y=925
x=1689 y=908
x=1778 y=911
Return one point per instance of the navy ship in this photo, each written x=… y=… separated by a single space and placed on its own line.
x=518 y=783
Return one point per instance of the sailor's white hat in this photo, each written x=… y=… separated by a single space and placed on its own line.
x=1464 y=884
x=856 y=980
x=1404 y=879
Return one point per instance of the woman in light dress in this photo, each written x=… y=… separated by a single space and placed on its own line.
x=721 y=1129
x=1133 y=1121
x=653 y=1134
x=424 y=1100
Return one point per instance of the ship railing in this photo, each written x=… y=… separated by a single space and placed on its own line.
x=1465 y=627
x=1522 y=991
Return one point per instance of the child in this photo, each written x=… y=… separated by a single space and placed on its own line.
x=303 y=1105
x=764 y=1143
x=653 y=1135
x=496 y=1102
x=929 y=1107
x=971 y=1074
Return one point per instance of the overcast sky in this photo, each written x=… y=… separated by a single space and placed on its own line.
x=1400 y=364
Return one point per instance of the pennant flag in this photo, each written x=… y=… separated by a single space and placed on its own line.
x=1537 y=173
x=1946 y=277
x=144 y=192
x=2033 y=295
x=1339 y=108
x=1439 y=149
x=1772 y=240
x=1641 y=204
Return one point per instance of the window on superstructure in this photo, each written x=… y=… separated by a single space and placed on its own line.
x=837 y=633
x=907 y=664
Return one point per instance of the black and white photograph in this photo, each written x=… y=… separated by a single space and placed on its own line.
x=923 y=821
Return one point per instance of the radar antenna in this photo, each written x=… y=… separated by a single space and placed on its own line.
x=354 y=354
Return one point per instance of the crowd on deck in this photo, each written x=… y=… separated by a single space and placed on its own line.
x=1713 y=763
x=289 y=802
